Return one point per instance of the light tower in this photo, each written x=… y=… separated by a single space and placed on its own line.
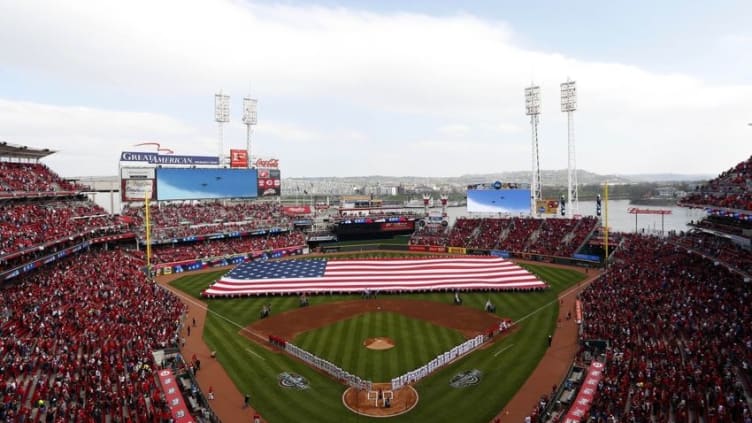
x=221 y=116
x=569 y=105
x=249 y=120
x=533 y=109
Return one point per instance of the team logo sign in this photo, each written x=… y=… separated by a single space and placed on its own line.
x=465 y=379
x=292 y=380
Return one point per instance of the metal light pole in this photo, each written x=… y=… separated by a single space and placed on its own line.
x=221 y=116
x=249 y=120
x=569 y=105
x=533 y=109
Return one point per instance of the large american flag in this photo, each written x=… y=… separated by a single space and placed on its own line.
x=384 y=275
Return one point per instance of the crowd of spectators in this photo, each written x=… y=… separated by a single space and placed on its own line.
x=732 y=189
x=718 y=248
x=27 y=225
x=680 y=343
x=561 y=237
x=462 y=230
x=179 y=220
x=433 y=234
x=77 y=339
x=31 y=178
x=554 y=236
x=172 y=253
x=520 y=232
x=723 y=224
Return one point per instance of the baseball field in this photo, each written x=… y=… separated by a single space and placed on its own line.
x=418 y=327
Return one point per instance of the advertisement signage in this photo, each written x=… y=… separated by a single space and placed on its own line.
x=500 y=253
x=137 y=173
x=137 y=183
x=429 y=248
x=507 y=201
x=547 y=206
x=296 y=210
x=398 y=226
x=173 y=397
x=585 y=397
x=197 y=184
x=269 y=182
x=137 y=189
x=238 y=158
x=262 y=163
x=168 y=159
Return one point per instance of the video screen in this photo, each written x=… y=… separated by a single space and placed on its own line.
x=509 y=201
x=196 y=184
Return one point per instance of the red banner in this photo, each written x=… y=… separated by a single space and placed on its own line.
x=296 y=210
x=578 y=311
x=238 y=158
x=430 y=248
x=397 y=226
x=174 y=398
x=589 y=388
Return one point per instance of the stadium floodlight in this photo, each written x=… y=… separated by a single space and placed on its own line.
x=532 y=100
x=533 y=109
x=568 y=96
x=568 y=106
x=221 y=116
x=249 y=119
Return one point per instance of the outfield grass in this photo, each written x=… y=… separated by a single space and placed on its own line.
x=505 y=366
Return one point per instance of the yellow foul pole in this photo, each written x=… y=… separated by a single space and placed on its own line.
x=147 y=229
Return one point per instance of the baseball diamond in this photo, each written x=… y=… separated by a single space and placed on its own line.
x=335 y=326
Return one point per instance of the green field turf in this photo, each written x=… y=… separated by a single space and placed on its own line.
x=505 y=366
x=416 y=343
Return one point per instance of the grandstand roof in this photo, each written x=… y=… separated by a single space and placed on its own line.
x=23 y=152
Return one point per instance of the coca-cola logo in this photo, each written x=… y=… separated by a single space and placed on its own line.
x=267 y=163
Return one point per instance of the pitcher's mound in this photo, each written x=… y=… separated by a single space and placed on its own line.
x=380 y=343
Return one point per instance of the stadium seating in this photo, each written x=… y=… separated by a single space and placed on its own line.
x=552 y=237
x=679 y=339
x=26 y=178
x=76 y=340
x=718 y=248
x=169 y=221
x=730 y=190
x=38 y=226
x=435 y=235
x=221 y=247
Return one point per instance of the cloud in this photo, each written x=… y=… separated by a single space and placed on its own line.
x=90 y=140
x=392 y=78
x=454 y=129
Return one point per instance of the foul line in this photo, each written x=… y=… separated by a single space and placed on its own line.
x=250 y=351
x=203 y=306
x=503 y=349
x=566 y=293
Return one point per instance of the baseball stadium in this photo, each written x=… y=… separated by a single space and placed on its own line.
x=211 y=298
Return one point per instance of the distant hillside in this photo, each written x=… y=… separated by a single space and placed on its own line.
x=548 y=177
x=669 y=177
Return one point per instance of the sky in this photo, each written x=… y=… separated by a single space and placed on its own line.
x=354 y=88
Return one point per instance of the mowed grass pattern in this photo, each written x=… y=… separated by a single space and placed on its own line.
x=505 y=365
x=416 y=343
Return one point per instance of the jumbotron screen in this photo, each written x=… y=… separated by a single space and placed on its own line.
x=196 y=184
x=509 y=201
